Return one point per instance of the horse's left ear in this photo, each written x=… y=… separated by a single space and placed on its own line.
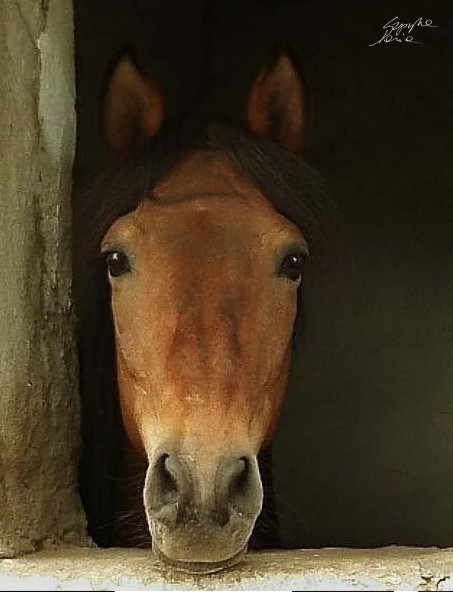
x=275 y=108
x=133 y=109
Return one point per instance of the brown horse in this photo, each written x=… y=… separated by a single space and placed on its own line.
x=200 y=230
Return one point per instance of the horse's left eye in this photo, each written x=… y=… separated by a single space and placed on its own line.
x=292 y=266
x=117 y=263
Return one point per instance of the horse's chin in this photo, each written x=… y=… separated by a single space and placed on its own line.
x=200 y=547
x=201 y=567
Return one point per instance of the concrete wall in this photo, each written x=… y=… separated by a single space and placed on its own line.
x=39 y=415
x=390 y=568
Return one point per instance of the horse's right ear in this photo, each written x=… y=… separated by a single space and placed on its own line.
x=276 y=104
x=133 y=108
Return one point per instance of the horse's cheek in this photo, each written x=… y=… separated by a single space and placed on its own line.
x=274 y=397
x=130 y=411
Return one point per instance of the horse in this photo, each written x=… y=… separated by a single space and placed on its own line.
x=191 y=254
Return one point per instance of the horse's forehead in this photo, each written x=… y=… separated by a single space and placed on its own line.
x=217 y=219
x=204 y=198
x=200 y=173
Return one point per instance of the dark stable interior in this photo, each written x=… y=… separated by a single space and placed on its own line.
x=363 y=455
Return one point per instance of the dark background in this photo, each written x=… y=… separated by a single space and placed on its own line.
x=364 y=453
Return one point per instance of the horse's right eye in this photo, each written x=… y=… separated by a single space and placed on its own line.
x=117 y=263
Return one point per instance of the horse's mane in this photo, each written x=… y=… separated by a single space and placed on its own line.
x=285 y=179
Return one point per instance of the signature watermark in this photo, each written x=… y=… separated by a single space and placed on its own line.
x=402 y=32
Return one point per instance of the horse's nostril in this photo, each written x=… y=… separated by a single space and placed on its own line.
x=241 y=484
x=167 y=475
x=167 y=486
x=238 y=488
x=238 y=478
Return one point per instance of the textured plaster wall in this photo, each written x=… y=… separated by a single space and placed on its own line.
x=39 y=412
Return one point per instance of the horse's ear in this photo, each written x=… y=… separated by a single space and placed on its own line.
x=133 y=109
x=275 y=108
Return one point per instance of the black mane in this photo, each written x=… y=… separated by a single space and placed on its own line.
x=282 y=177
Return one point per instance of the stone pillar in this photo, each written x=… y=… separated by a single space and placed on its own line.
x=39 y=407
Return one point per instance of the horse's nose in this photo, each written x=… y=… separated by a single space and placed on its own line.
x=177 y=490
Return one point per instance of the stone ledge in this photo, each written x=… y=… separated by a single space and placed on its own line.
x=388 y=568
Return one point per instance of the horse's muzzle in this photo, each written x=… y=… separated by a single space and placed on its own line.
x=201 y=515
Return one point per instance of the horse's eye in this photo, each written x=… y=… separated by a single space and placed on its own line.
x=117 y=263
x=292 y=266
